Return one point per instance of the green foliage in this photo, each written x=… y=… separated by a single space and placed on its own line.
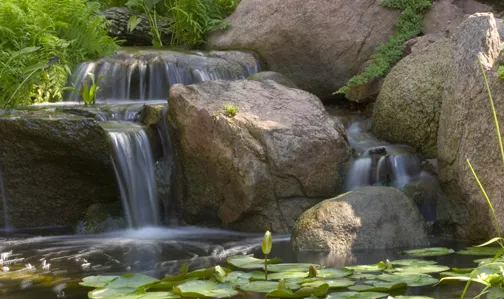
x=230 y=110
x=149 y=9
x=88 y=91
x=408 y=25
x=193 y=19
x=40 y=41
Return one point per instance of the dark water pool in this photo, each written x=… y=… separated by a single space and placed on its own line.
x=50 y=267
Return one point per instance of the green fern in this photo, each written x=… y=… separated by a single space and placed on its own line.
x=40 y=41
x=409 y=25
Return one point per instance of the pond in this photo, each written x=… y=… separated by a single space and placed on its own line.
x=51 y=266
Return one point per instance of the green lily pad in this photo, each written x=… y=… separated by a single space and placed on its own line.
x=159 y=295
x=356 y=295
x=249 y=262
x=368 y=268
x=291 y=267
x=433 y=251
x=97 y=281
x=358 y=276
x=333 y=283
x=490 y=251
x=412 y=279
x=239 y=277
x=412 y=297
x=286 y=275
x=413 y=262
x=303 y=292
x=103 y=293
x=205 y=288
x=334 y=272
x=453 y=274
x=260 y=286
x=379 y=287
x=423 y=269
x=133 y=280
x=167 y=285
x=182 y=273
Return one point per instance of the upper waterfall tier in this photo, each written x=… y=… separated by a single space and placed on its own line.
x=149 y=74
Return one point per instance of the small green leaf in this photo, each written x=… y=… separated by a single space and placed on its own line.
x=182 y=273
x=423 y=269
x=433 y=251
x=249 y=262
x=413 y=262
x=97 y=281
x=368 y=268
x=291 y=267
x=204 y=288
x=133 y=23
x=490 y=251
x=134 y=281
x=267 y=243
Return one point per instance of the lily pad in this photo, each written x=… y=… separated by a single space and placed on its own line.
x=249 y=262
x=358 y=276
x=286 y=275
x=134 y=280
x=260 y=286
x=433 y=251
x=291 y=267
x=412 y=279
x=103 y=293
x=453 y=274
x=333 y=283
x=158 y=295
x=379 y=287
x=368 y=268
x=334 y=272
x=205 y=288
x=412 y=297
x=356 y=295
x=97 y=281
x=423 y=269
x=413 y=262
x=303 y=292
x=490 y=251
x=182 y=273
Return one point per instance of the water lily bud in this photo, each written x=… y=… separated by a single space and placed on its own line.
x=267 y=243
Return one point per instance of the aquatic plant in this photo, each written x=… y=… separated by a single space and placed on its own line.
x=266 y=246
x=230 y=110
x=88 y=91
x=33 y=33
x=409 y=25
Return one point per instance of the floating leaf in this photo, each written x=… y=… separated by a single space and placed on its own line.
x=249 y=262
x=413 y=262
x=291 y=267
x=159 y=295
x=204 y=288
x=207 y=273
x=453 y=274
x=168 y=285
x=134 y=280
x=368 y=268
x=97 y=281
x=433 y=251
x=356 y=295
x=333 y=283
x=103 y=293
x=413 y=280
x=334 y=272
x=423 y=269
x=319 y=291
x=379 y=287
x=490 y=251
x=412 y=297
x=358 y=276
x=264 y=286
x=182 y=273
x=287 y=275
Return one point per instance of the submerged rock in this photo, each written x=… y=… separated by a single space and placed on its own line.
x=54 y=167
x=235 y=171
x=369 y=218
x=101 y=218
x=317 y=44
x=467 y=130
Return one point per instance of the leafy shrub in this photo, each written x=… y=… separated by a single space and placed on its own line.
x=409 y=25
x=40 y=41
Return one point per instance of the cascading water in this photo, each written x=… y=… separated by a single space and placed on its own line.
x=148 y=75
x=134 y=167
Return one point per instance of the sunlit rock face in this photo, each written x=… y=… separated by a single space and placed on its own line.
x=279 y=154
x=368 y=218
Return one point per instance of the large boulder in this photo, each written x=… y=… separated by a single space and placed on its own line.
x=407 y=108
x=239 y=171
x=369 y=218
x=466 y=130
x=319 y=44
x=54 y=166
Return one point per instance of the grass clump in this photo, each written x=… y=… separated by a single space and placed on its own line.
x=409 y=25
x=230 y=110
x=40 y=41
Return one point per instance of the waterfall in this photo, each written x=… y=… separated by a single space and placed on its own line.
x=148 y=75
x=134 y=168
